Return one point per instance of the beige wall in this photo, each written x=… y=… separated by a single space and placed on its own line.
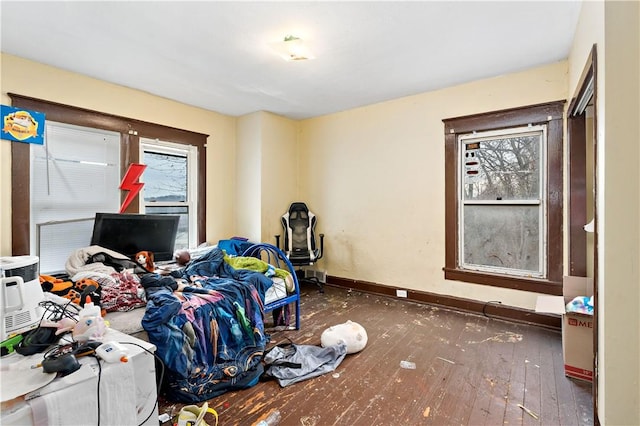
x=279 y=172
x=620 y=284
x=40 y=81
x=375 y=178
x=267 y=173
x=248 y=166
x=613 y=26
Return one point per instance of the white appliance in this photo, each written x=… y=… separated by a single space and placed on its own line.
x=20 y=295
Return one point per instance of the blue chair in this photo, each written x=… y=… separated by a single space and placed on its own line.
x=276 y=257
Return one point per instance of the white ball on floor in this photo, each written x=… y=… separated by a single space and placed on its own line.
x=351 y=333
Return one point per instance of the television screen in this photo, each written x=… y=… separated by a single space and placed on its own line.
x=130 y=233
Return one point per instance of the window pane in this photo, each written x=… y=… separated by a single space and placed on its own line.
x=504 y=168
x=182 y=238
x=58 y=240
x=502 y=237
x=165 y=178
x=73 y=176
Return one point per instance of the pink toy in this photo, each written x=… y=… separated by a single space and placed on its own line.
x=64 y=325
x=89 y=328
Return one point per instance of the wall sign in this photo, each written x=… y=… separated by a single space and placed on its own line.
x=471 y=163
x=22 y=125
x=131 y=184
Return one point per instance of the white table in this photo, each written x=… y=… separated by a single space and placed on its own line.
x=133 y=382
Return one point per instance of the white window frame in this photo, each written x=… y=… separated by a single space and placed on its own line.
x=191 y=153
x=464 y=139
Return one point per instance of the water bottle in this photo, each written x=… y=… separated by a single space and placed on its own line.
x=272 y=419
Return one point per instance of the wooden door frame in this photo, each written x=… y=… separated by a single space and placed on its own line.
x=577 y=194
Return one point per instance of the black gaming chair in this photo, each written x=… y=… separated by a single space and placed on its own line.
x=299 y=240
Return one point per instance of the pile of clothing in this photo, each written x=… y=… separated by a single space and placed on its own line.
x=110 y=280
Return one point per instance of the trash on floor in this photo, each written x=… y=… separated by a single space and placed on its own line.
x=408 y=365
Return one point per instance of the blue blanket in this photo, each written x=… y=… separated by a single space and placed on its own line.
x=210 y=338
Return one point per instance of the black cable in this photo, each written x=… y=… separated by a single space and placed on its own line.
x=484 y=308
x=60 y=349
x=158 y=382
x=57 y=312
x=98 y=387
x=52 y=312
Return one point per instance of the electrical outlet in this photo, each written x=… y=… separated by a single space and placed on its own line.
x=401 y=293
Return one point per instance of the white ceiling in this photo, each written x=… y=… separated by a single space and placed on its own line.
x=215 y=55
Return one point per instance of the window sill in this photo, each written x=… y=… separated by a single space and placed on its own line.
x=516 y=283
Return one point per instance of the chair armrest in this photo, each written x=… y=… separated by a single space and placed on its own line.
x=278 y=240
x=321 y=247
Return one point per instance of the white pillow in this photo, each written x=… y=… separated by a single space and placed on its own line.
x=351 y=333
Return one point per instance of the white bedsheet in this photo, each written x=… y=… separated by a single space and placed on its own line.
x=276 y=292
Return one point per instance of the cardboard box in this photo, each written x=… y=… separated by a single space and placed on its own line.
x=577 y=329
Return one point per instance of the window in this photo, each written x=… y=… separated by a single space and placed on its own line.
x=86 y=124
x=504 y=198
x=167 y=189
x=502 y=208
x=75 y=174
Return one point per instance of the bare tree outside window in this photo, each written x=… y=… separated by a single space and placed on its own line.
x=165 y=178
x=166 y=186
x=502 y=201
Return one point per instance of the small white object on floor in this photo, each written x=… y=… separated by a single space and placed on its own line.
x=351 y=333
x=408 y=365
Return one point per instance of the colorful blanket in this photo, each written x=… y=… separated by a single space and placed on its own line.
x=208 y=333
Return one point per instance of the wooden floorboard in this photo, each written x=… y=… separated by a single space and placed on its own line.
x=532 y=398
x=469 y=370
x=480 y=402
x=513 y=414
x=549 y=398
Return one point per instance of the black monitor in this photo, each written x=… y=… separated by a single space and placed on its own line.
x=129 y=234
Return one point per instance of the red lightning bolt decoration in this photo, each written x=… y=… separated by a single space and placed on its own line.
x=130 y=183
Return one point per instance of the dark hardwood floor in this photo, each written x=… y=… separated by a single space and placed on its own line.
x=469 y=370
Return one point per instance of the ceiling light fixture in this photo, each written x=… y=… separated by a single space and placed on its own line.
x=292 y=48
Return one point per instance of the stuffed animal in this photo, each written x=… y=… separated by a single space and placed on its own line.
x=182 y=257
x=145 y=259
x=89 y=328
x=62 y=326
x=351 y=333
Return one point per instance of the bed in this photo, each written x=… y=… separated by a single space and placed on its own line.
x=207 y=319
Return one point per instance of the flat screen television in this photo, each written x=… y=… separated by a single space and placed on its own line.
x=129 y=234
